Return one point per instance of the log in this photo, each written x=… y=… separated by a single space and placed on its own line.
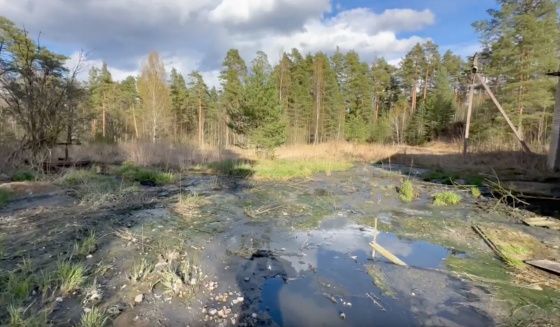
x=384 y=252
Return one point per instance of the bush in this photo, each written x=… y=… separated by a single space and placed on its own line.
x=447 y=198
x=406 y=191
x=23 y=175
x=145 y=176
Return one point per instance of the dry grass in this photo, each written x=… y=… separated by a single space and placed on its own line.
x=332 y=151
x=505 y=159
x=166 y=155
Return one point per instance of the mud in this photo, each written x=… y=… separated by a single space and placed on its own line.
x=270 y=253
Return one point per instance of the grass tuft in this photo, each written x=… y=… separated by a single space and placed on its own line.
x=145 y=176
x=448 y=198
x=87 y=246
x=406 y=191
x=70 y=276
x=141 y=270
x=93 y=318
x=475 y=192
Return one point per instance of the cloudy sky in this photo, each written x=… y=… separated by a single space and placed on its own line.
x=195 y=34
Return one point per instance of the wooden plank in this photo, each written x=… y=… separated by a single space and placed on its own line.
x=547 y=265
x=384 y=252
x=542 y=222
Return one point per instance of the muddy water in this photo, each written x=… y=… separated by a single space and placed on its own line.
x=306 y=260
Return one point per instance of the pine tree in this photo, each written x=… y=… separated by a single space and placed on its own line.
x=232 y=78
x=300 y=113
x=411 y=69
x=358 y=98
x=260 y=115
x=102 y=93
x=183 y=122
x=442 y=108
x=521 y=41
x=199 y=100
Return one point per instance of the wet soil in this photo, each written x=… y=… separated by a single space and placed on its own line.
x=290 y=253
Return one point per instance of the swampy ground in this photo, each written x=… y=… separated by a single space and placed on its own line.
x=208 y=248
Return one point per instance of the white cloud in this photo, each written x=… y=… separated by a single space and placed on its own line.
x=196 y=34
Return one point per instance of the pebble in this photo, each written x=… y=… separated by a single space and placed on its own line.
x=342 y=315
x=89 y=256
x=254 y=315
x=59 y=299
x=86 y=310
x=212 y=312
x=247 y=279
x=139 y=298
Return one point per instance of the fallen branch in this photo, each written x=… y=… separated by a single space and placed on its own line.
x=384 y=252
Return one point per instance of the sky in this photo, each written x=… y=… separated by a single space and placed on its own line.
x=195 y=35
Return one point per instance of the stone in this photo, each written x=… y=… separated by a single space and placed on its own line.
x=246 y=279
x=254 y=315
x=212 y=312
x=139 y=298
x=342 y=315
x=59 y=299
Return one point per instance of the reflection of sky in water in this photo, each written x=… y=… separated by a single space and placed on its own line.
x=303 y=301
x=301 y=247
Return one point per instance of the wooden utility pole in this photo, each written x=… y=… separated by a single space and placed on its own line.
x=554 y=151
x=476 y=76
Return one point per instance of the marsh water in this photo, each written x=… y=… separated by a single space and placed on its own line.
x=291 y=253
x=298 y=254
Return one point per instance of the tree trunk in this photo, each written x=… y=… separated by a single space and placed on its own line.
x=200 y=123
x=135 y=122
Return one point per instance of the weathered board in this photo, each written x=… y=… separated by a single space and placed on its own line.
x=543 y=222
x=548 y=265
x=384 y=252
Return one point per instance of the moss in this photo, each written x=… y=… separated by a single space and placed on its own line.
x=380 y=280
x=406 y=191
x=448 y=198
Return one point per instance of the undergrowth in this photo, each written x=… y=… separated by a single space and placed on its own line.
x=406 y=191
x=145 y=176
x=288 y=169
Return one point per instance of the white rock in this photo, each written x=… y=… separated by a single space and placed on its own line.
x=139 y=298
x=254 y=315
x=86 y=310
x=212 y=312
x=59 y=299
x=342 y=315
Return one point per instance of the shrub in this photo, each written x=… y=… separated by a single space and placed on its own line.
x=23 y=175
x=406 y=191
x=447 y=198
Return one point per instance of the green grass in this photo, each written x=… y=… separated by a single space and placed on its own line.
x=289 y=169
x=141 y=270
x=234 y=168
x=24 y=175
x=92 y=188
x=18 y=319
x=406 y=191
x=70 y=276
x=475 y=192
x=87 y=246
x=17 y=286
x=93 y=318
x=447 y=198
x=145 y=175
x=5 y=196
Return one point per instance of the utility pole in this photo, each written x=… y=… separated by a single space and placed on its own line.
x=554 y=150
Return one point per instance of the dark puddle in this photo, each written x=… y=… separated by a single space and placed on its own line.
x=320 y=278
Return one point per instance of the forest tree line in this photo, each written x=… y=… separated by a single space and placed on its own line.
x=303 y=98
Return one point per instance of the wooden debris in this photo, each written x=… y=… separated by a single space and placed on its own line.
x=546 y=222
x=547 y=265
x=491 y=244
x=384 y=252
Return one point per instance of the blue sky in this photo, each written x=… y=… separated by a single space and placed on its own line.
x=195 y=35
